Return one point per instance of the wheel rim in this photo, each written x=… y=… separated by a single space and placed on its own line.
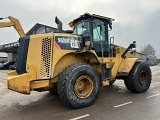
x=84 y=86
x=143 y=78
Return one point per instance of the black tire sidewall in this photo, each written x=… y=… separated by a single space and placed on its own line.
x=132 y=81
x=142 y=67
x=70 y=94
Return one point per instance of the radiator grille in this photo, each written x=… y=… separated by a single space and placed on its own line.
x=45 y=57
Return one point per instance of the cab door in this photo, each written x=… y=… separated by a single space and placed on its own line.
x=100 y=38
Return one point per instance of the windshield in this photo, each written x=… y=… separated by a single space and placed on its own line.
x=81 y=28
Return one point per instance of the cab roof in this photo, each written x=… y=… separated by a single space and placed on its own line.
x=87 y=15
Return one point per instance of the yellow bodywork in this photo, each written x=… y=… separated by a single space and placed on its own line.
x=126 y=65
x=46 y=62
x=21 y=83
x=26 y=82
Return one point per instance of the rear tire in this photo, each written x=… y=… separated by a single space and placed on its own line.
x=78 y=86
x=139 y=78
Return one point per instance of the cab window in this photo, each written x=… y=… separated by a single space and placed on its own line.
x=82 y=28
x=99 y=32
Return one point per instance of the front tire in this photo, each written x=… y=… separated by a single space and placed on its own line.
x=139 y=78
x=78 y=85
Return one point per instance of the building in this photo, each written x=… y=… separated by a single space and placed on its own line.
x=11 y=48
x=39 y=28
x=3 y=58
x=149 y=50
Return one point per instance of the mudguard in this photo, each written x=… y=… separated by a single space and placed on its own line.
x=126 y=65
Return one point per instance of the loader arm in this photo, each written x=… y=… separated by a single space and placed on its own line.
x=15 y=23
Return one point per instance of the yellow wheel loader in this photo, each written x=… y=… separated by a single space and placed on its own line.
x=76 y=63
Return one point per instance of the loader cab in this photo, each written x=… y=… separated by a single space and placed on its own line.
x=94 y=31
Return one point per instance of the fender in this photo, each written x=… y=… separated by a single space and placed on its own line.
x=126 y=65
x=72 y=58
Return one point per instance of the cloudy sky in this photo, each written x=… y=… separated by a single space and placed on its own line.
x=135 y=20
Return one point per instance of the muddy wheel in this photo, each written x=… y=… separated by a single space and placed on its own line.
x=78 y=85
x=139 y=79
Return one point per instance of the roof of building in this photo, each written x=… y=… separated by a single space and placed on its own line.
x=9 y=48
x=37 y=26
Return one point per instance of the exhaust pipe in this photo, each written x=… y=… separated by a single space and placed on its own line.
x=59 y=24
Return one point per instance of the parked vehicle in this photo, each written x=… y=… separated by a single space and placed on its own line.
x=12 y=67
x=6 y=65
x=151 y=60
x=3 y=61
